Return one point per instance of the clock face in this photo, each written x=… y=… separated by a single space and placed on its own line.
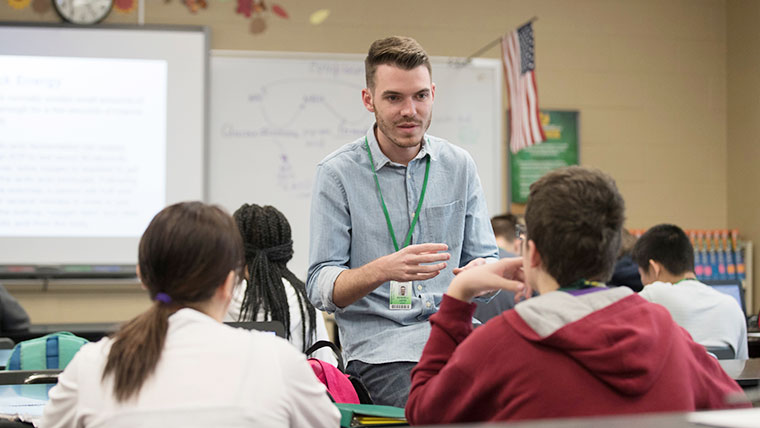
x=83 y=11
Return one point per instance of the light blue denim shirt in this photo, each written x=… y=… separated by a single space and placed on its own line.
x=348 y=230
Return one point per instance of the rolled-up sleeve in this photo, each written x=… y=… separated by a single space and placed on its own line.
x=329 y=238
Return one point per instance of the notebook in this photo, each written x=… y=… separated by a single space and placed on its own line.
x=23 y=402
x=370 y=415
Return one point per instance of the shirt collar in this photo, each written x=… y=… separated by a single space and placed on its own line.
x=192 y=314
x=381 y=160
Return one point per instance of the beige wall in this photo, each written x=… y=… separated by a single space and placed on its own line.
x=74 y=301
x=743 y=83
x=648 y=76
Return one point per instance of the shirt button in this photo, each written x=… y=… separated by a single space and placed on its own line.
x=427 y=305
x=419 y=287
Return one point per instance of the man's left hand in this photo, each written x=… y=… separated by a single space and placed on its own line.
x=475 y=262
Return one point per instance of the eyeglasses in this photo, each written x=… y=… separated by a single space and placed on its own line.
x=520 y=231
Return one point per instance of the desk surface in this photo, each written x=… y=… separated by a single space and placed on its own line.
x=742 y=369
x=90 y=331
x=665 y=420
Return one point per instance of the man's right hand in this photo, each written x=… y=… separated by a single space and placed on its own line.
x=411 y=263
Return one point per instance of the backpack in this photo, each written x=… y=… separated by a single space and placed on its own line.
x=341 y=388
x=53 y=351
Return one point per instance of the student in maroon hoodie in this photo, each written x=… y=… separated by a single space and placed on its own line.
x=578 y=349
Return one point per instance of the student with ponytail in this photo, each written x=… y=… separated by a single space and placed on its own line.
x=272 y=292
x=177 y=364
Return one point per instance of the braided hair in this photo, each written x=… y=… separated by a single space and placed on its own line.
x=268 y=247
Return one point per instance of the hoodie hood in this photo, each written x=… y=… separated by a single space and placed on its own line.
x=615 y=334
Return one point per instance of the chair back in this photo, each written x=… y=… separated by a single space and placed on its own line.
x=19 y=377
x=722 y=352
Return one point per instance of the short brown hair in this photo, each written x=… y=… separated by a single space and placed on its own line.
x=399 y=51
x=505 y=226
x=574 y=216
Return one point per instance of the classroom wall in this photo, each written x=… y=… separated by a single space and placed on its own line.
x=648 y=76
x=77 y=301
x=743 y=88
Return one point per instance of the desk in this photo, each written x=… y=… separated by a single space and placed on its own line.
x=745 y=372
x=753 y=344
x=665 y=420
x=25 y=401
x=90 y=331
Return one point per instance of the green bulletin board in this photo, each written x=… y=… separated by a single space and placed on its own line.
x=560 y=149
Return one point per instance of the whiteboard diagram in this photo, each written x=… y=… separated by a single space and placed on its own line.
x=275 y=116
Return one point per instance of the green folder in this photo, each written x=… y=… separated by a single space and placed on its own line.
x=370 y=415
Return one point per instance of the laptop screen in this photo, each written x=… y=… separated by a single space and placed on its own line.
x=272 y=327
x=732 y=288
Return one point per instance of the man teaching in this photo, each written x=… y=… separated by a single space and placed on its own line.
x=395 y=208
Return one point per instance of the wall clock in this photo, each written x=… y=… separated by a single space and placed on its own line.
x=83 y=12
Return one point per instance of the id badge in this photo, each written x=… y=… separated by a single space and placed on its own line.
x=401 y=295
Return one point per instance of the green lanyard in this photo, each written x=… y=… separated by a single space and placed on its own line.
x=385 y=209
x=581 y=284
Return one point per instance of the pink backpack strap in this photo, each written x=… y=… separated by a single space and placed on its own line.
x=316 y=366
x=338 y=384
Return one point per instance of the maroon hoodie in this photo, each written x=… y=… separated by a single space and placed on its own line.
x=560 y=355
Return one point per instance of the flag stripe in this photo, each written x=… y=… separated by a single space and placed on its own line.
x=514 y=70
x=517 y=105
x=532 y=108
x=537 y=116
x=525 y=122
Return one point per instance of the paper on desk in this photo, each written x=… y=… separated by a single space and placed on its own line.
x=744 y=418
x=21 y=408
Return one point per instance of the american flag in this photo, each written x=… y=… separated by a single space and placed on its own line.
x=519 y=66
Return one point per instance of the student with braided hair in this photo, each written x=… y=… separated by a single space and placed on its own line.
x=176 y=364
x=272 y=292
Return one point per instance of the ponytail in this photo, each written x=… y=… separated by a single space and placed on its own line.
x=136 y=350
x=185 y=255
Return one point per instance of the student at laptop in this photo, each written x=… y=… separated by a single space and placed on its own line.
x=666 y=263
x=271 y=291
x=177 y=364
x=579 y=348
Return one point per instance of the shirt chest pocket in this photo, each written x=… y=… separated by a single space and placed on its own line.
x=444 y=224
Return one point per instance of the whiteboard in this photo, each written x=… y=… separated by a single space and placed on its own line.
x=274 y=116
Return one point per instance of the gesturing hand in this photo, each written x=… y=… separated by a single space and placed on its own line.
x=474 y=262
x=410 y=263
x=505 y=274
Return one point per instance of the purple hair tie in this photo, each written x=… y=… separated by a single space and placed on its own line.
x=163 y=298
